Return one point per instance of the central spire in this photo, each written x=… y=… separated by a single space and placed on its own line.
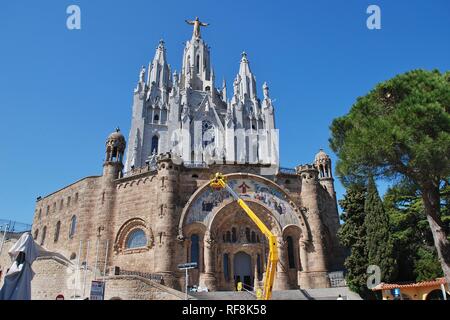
x=197 y=24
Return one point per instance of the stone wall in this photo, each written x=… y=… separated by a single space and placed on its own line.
x=108 y=209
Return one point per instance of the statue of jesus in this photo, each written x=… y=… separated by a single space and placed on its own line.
x=197 y=24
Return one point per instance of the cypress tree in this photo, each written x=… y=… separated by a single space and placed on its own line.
x=380 y=244
x=353 y=236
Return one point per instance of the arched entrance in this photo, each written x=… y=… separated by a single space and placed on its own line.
x=243 y=269
x=230 y=234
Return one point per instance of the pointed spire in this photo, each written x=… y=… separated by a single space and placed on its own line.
x=224 y=90
x=142 y=75
x=248 y=83
x=266 y=91
x=244 y=57
x=159 y=70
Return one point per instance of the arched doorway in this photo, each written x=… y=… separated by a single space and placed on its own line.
x=243 y=269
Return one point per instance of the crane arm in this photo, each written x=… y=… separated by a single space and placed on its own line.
x=219 y=182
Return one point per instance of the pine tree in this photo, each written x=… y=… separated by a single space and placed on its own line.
x=380 y=244
x=353 y=236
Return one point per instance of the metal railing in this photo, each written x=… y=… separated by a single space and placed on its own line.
x=195 y=164
x=287 y=170
x=337 y=279
x=151 y=276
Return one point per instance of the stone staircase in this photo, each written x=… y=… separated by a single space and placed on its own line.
x=299 y=294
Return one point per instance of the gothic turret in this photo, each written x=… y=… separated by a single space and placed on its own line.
x=323 y=164
x=159 y=80
x=115 y=148
x=248 y=82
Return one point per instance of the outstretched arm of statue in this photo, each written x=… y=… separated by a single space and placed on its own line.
x=189 y=21
x=204 y=24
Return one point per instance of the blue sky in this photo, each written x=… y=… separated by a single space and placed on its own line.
x=62 y=92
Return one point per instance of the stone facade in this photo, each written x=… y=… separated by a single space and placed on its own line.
x=161 y=212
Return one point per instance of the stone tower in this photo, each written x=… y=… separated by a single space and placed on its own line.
x=316 y=266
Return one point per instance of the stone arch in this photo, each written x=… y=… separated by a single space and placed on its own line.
x=253 y=177
x=254 y=205
x=126 y=229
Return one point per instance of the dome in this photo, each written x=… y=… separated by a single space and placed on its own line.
x=321 y=155
x=117 y=135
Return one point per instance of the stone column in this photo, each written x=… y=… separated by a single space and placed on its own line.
x=255 y=270
x=282 y=277
x=304 y=266
x=208 y=278
x=317 y=262
x=231 y=260
x=165 y=255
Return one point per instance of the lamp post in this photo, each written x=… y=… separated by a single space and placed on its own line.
x=186 y=267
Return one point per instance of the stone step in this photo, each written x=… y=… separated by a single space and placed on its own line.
x=299 y=294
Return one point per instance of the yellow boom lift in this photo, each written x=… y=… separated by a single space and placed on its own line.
x=219 y=182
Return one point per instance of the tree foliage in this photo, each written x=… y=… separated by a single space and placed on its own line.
x=380 y=245
x=414 y=250
x=401 y=129
x=352 y=235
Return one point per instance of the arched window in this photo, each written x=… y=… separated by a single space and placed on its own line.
x=226 y=272
x=155 y=141
x=36 y=233
x=233 y=235
x=253 y=237
x=136 y=239
x=247 y=234
x=44 y=231
x=73 y=226
x=291 y=255
x=156 y=118
x=197 y=64
x=194 y=248
x=40 y=214
x=228 y=238
x=57 y=228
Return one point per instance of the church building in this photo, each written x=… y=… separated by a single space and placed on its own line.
x=153 y=209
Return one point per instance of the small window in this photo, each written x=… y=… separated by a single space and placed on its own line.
x=40 y=214
x=73 y=226
x=61 y=204
x=195 y=248
x=76 y=197
x=57 y=228
x=228 y=238
x=155 y=142
x=54 y=206
x=44 y=231
x=233 y=235
x=36 y=233
x=48 y=210
x=253 y=237
x=68 y=200
x=156 y=118
x=247 y=234
x=136 y=239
